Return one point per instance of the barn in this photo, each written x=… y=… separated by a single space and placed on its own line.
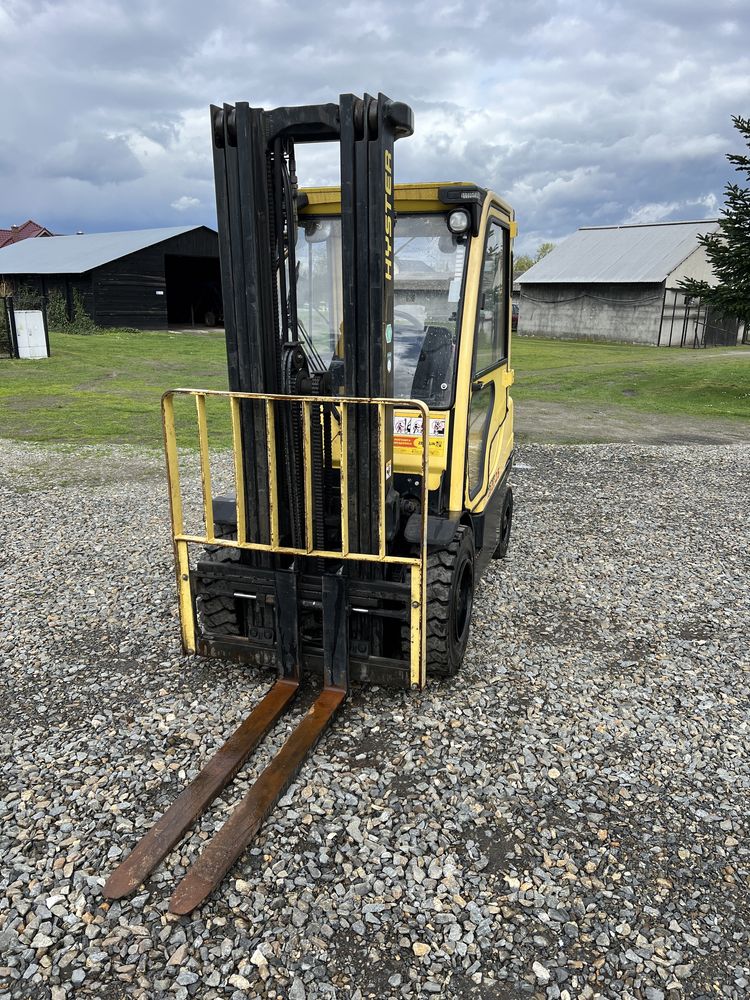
x=621 y=283
x=146 y=278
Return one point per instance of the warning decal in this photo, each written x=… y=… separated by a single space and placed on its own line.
x=407 y=434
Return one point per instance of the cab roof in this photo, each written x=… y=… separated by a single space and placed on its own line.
x=421 y=197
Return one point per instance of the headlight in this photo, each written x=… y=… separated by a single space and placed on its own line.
x=458 y=221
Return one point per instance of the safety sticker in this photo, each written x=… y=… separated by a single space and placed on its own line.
x=413 y=426
x=407 y=434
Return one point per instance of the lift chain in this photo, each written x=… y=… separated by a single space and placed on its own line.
x=295 y=375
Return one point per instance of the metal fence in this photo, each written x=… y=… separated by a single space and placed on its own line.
x=686 y=321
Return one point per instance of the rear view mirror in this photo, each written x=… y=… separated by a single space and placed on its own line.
x=317 y=231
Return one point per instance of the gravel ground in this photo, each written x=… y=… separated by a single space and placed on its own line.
x=566 y=819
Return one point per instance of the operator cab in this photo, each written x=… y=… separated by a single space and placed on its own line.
x=451 y=335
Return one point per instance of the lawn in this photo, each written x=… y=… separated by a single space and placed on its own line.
x=709 y=383
x=106 y=387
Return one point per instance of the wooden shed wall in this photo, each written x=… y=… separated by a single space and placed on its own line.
x=126 y=291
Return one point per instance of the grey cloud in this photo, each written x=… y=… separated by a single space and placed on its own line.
x=96 y=159
x=579 y=113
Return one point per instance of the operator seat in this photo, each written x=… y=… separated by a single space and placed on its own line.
x=434 y=363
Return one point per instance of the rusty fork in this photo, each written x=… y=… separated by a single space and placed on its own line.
x=228 y=844
x=234 y=836
x=200 y=793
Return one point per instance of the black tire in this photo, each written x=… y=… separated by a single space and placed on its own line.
x=218 y=612
x=506 y=523
x=450 y=597
x=209 y=317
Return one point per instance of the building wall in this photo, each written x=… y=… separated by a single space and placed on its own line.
x=695 y=266
x=67 y=285
x=132 y=291
x=613 y=312
x=688 y=322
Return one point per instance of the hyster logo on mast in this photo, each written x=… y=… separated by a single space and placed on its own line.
x=388 y=215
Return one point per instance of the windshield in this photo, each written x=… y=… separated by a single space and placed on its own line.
x=429 y=266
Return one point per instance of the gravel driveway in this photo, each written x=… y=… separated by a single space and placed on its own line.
x=569 y=818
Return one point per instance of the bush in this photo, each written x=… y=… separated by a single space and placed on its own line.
x=81 y=323
x=26 y=297
x=57 y=310
x=57 y=314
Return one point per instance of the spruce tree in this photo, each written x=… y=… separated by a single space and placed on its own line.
x=728 y=249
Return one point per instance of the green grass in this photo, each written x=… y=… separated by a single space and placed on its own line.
x=106 y=387
x=700 y=383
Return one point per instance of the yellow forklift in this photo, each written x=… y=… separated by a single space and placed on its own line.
x=368 y=346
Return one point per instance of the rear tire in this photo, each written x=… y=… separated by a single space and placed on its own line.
x=506 y=523
x=450 y=598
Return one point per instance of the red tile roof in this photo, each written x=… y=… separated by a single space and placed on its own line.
x=17 y=233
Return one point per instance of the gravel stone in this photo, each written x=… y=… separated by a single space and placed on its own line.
x=574 y=805
x=541 y=972
x=297 y=990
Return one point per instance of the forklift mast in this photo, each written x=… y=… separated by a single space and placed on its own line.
x=257 y=202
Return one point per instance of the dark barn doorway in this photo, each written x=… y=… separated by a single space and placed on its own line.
x=193 y=291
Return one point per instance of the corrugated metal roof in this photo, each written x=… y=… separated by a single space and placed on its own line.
x=645 y=253
x=76 y=254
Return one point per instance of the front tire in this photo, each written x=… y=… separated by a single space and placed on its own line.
x=450 y=598
x=217 y=612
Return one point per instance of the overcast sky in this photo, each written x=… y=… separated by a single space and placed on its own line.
x=579 y=113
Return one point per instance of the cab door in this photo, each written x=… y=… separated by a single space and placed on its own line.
x=490 y=431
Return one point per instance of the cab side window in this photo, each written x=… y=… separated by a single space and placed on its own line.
x=492 y=323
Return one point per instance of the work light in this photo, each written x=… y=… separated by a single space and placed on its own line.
x=458 y=221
